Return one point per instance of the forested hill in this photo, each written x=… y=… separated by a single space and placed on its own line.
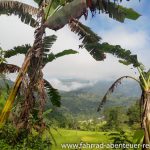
x=126 y=88
x=82 y=97
x=85 y=99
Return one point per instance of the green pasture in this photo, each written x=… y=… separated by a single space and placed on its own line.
x=63 y=136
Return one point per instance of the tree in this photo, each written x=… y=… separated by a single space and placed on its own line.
x=54 y=15
x=114 y=118
x=52 y=93
x=133 y=113
x=144 y=82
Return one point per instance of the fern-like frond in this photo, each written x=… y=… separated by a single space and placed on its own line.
x=112 y=88
x=8 y=68
x=53 y=94
x=24 y=11
x=17 y=50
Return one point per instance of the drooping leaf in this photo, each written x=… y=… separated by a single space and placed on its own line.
x=113 y=9
x=84 y=32
x=112 y=88
x=115 y=50
x=91 y=42
x=24 y=11
x=78 y=8
x=8 y=68
x=50 y=57
x=53 y=94
x=65 y=52
x=17 y=50
x=47 y=44
x=88 y=37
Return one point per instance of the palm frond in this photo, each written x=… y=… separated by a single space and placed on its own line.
x=112 y=88
x=115 y=50
x=53 y=94
x=50 y=57
x=17 y=50
x=65 y=52
x=77 y=8
x=47 y=44
x=84 y=32
x=91 y=42
x=24 y=11
x=8 y=68
x=88 y=37
x=114 y=10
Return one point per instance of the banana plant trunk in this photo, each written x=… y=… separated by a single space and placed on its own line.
x=146 y=119
x=9 y=103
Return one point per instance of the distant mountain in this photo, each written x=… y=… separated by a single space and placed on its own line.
x=126 y=88
x=85 y=99
x=82 y=97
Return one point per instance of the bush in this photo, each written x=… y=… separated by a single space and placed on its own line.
x=11 y=139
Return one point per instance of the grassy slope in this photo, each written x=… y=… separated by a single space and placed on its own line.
x=73 y=136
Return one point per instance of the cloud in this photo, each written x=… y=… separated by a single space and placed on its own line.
x=137 y=41
x=82 y=65
x=70 y=86
x=125 y=37
x=14 y=32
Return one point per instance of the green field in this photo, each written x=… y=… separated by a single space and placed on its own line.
x=63 y=136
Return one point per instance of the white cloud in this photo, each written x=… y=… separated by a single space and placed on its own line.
x=70 y=86
x=81 y=65
x=125 y=37
x=14 y=33
x=136 y=41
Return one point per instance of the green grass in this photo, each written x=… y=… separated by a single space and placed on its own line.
x=63 y=136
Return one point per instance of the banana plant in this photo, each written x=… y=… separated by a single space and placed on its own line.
x=48 y=56
x=144 y=83
x=54 y=15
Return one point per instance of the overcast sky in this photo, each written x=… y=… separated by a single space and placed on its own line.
x=133 y=35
